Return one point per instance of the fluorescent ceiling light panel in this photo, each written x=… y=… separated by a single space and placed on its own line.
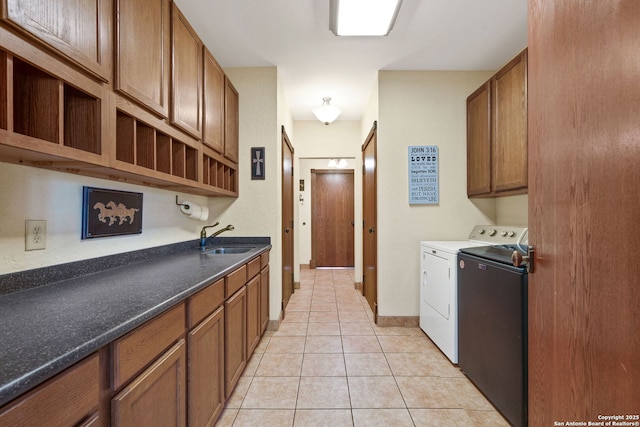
x=363 y=17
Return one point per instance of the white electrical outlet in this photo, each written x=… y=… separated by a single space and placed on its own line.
x=35 y=235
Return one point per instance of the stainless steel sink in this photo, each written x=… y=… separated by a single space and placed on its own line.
x=229 y=250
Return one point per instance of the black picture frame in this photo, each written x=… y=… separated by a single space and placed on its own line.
x=108 y=213
x=257 y=163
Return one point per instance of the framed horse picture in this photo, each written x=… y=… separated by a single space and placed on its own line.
x=110 y=212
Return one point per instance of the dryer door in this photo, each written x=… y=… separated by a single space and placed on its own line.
x=436 y=282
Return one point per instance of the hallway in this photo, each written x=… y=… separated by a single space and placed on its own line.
x=330 y=365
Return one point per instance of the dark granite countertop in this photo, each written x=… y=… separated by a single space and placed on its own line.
x=48 y=326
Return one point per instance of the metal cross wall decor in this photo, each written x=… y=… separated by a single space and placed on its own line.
x=257 y=163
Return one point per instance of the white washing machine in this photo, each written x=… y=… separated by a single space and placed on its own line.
x=439 y=284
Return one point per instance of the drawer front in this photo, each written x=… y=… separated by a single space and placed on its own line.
x=264 y=259
x=66 y=399
x=253 y=268
x=205 y=302
x=141 y=346
x=235 y=280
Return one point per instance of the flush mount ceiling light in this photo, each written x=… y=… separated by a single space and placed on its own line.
x=327 y=113
x=338 y=163
x=363 y=17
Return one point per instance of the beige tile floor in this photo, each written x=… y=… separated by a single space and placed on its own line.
x=330 y=365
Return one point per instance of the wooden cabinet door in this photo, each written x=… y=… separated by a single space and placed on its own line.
x=138 y=348
x=213 y=127
x=231 y=121
x=79 y=29
x=264 y=299
x=65 y=400
x=142 y=52
x=235 y=338
x=253 y=314
x=509 y=133
x=206 y=370
x=157 y=396
x=186 y=75
x=478 y=141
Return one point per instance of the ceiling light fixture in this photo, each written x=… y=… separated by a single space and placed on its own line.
x=363 y=17
x=338 y=163
x=327 y=113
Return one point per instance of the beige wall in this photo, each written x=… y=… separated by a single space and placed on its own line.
x=257 y=212
x=31 y=193
x=421 y=108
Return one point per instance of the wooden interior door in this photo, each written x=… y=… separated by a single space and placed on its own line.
x=584 y=182
x=331 y=218
x=287 y=219
x=369 y=221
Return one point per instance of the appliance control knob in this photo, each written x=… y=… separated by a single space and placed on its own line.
x=511 y=234
x=503 y=233
x=492 y=232
x=481 y=231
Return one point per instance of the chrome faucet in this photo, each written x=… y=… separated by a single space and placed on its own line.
x=204 y=240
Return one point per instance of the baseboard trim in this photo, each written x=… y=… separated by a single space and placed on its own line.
x=358 y=286
x=399 y=321
x=274 y=325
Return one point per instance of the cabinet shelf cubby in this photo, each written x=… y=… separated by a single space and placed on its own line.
x=218 y=174
x=47 y=108
x=140 y=144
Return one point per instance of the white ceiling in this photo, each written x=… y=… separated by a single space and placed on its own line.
x=294 y=36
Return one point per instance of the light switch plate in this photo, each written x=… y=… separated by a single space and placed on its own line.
x=35 y=235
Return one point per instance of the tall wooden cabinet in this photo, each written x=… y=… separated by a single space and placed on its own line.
x=214 y=86
x=186 y=75
x=143 y=52
x=479 y=141
x=231 y=121
x=497 y=133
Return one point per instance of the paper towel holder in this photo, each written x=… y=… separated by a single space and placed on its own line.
x=182 y=204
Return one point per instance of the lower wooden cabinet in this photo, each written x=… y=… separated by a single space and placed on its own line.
x=264 y=299
x=253 y=314
x=206 y=370
x=177 y=369
x=235 y=338
x=157 y=396
x=68 y=399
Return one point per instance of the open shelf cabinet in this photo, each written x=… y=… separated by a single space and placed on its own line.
x=219 y=173
x=49 y=109
x=140 y=144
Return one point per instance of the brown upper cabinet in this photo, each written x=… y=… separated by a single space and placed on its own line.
x=116 y=89
x=231 y=121
x=80 y=30
x=186 y=75
x=214 y=84
x=479 y=141
x=497 y=133
x=142 y=52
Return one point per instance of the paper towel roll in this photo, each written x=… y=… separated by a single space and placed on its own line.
x=205 y=214
x=193 y=210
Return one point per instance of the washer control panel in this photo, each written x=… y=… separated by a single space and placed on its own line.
x=499 y=234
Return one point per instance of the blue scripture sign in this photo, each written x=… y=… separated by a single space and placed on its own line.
x=423 y=175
